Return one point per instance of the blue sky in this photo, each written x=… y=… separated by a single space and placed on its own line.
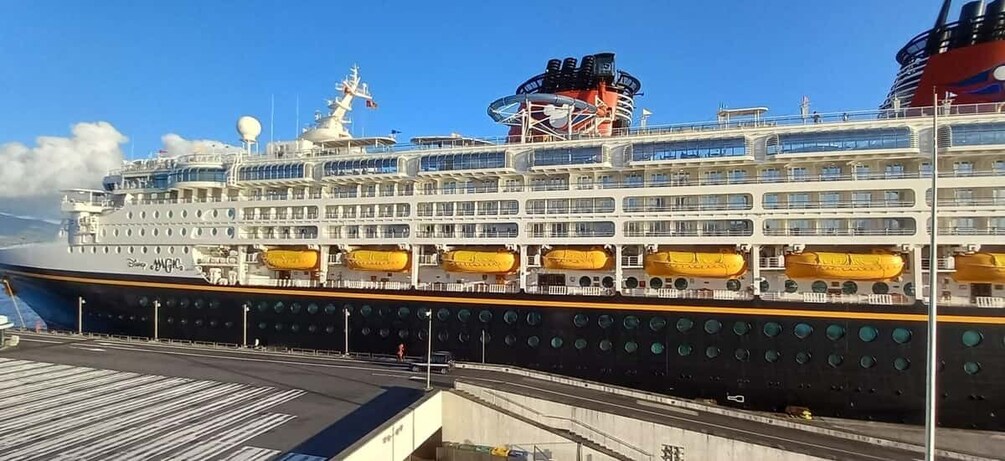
x=192 y=67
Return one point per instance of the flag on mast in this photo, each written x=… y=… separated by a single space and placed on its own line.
x=370 y=104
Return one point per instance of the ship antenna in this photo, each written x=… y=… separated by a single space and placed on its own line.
x=272 y=119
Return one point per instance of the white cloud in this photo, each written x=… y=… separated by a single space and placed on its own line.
x=176 y=145
x=55 y=163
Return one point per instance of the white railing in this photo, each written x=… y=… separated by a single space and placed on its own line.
x=217 y=260
x=562 y=291
x=819 y=298
x=367 y=285
x=670 y=293
x=429 y=260
x=335 y=259
x=771 y=262
x=469 y=287
x=631 y=261
x=943 y=264
x=989 y=301
x=534 y=260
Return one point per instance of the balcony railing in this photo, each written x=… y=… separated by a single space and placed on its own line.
x=469 y=287
x=943 y=264
x=671 y=293
x=882 y=300
x=836 y=232
x=827 y=204
x=631 y=262
x=771 y=262
x=971 y=231
x=689 y=233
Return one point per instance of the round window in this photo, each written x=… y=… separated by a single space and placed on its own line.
x=556 y=342
x=819 y=286
x=684 y=350
x=909 y=289
x=631 y=282
x=605 y=321
x=684 y=325
x=742 y=355
x=713 y=326
x=463 y=315
x=657 y=348
x=972 y=368
x=607 y=282
x=901 y=363
x=631 y=347
x=711 y=352
x=972 y=338
x=733 y=285
x=771 y=356
x=606 y=345
x=880 y=288
x=657 y=323
x=680 y=284
x=533 y=318
x=772 y=329
x=849 y=288
x=803 y=357
x=867 y=361
x=741 y=328
x=867 y=333
x=631 y=322
x=580 y=344
x=901 y=335
x=835 y=360
x=510 y=317
x=585 y=281
x=835 y=332
x=791 y=286
x=485 y=316
x=802 y=330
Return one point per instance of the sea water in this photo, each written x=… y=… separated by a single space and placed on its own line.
x=29 y=316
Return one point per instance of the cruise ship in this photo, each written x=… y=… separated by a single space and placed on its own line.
x=759 y=261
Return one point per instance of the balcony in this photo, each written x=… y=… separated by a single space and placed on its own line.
x=771 y=262
x=670 y=293
x=576 y=291
x=631 y=262
x=832 y=204
x=820 y=298
x=796 y=231
x=944 y=264
x=429 y=260
x=971 y=231
x=690 y=233
x=469 y=287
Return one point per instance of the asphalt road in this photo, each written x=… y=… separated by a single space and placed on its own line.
x=321 y=404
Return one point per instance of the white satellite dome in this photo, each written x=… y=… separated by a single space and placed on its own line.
x=249 y=128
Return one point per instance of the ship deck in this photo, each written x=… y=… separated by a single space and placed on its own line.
x=331 y=402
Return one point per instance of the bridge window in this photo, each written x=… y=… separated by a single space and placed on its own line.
x=884 y=138
x=270 y=172
x=981 y=134
x=691 y=149
x=361 y=167
x=198 y=175
x=577 y=156
x=453 y=162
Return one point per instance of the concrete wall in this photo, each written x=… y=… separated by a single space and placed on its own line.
x=397 y=440
x=466 y=421
x=646 y=436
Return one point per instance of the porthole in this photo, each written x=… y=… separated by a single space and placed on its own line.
x=279 y=327
x=631 y=322
x=803 y=357
x=131 y=250
x=533 y=319
x=279 y=307
x=170 y=214
x=423 y=335
x=764 y=285
x=802 y=330
x=771 y=356
x=607 y=282
x=295 y=328
x=384 y=332
x=684 y=350
x=312 y=308
x=834 y=332
x=657 y=323
x=115 y=232
x=580 y=344
x=366 y=331
x=556 y=342
x=365 y=310
x=403 y=334
x=312 y=328
x=606 y=345
x=143 y=215
x=511 y=317
x=680 y=284
x=849 y=288
x=230 y=232
x=868 y=334
x=170 y=303
x=485 y=316
x=262 y=325
x=118 y=250
x=901 y=335
x=819 y=286
x=741 y=328
x=791 y=286
x=129 y=215
x=605 y=321
x=631 y=347
x=880 y=288
x=867 y=361
x=330 y=329
x=213 y=323
x=585 y=281
x=145 y=249
x=198 y=213
x=631 y=282
x=216 y=213
x=909 y=289
x=972 y=338
x=741 y=354
x=184 y=213
x=443 y=314
x=510 y=340
x=484 y=337
x=733 y=285
x=295 y=308
x=533 y=341
x=404 y=312
x=580 y=320
x=144 y=301
x=170 y=249
x=711 y=352
x=183 y=231
x=383 y=311
x=656 y=283
x=213 y=231
x=712 y=326
x=443 y=336
x=214 y=304
x=657 y=348
x=168 y=232
x=330 y=309
x=154 y=232
x=685 y=325
x=835 y=360
x=972 y=368
x=901 y=364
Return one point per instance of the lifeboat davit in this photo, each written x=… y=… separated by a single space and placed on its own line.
x=379 y=260
x=723 y=264
x=481 y=262
x=980 y=268
x=844 y=266
x=593 y=259
x=291 y=260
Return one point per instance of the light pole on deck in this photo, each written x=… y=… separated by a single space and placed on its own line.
x=429 y=350
x=931 y=370
x=157 y=305
x=80 y=315
x=244 y=324
x=346 y=314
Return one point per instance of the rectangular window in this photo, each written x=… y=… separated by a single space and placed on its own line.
x=659 y=180
x=738 y=176
x=862 y=171
x=963 y=196
x=771 y=175
x=800 y=200
x=963 y=168
x=798 y=173
x=830 y=173
x=584 y=183
x=771 y=201
x=861 y=198
x=830 y=199
x=894 y=171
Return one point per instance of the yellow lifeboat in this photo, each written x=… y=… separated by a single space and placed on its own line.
x=593 y=259
x=481 y=262
x=720 y=265
x=379 y=260
x=844 y=266
x=291 y=260
x=980 y=268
